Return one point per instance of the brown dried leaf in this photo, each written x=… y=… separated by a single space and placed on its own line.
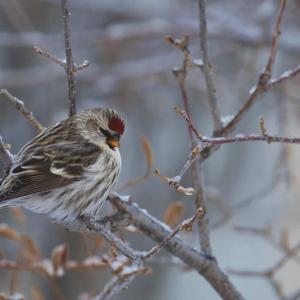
x=284 y=240
x=59 y=257
x=174 y=213
x=146 y=270
x=3 y=296
x=189 y=191
x=1 y=254
x=36 y=294
x=148 y=155
x=31 y=250
x=98 y=241
x=8 y=232
x=149 y=160
x=18 y=215
x=114 y=251
x=7 y=146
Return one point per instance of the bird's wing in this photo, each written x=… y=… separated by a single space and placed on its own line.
x=47 y=167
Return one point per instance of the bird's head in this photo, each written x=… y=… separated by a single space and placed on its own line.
x=103 y=126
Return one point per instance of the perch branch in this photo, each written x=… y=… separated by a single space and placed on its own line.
x=158 y=231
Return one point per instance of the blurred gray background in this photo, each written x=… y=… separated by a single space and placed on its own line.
x=131 y=71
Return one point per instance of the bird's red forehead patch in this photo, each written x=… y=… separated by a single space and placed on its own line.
x=116 y=124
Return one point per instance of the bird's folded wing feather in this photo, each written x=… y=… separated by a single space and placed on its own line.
x=47 y=167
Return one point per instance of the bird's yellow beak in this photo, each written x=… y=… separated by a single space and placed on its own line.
x=113 y=143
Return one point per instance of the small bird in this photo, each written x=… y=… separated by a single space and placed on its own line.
x=68 y=169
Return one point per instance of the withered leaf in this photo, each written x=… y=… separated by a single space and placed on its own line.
x=174 y=213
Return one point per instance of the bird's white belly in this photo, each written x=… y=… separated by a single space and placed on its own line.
x=65 y=204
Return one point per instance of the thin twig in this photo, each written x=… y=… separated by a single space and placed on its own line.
x=197 y=174
x=270 y=273
x=185 y=225
x=5 y=154
x=158 y=232
x=210 y=86
x=264 y=79
x=288 y=256
x=45 y=266
x=19 y=105
x=95 y=226
x=288 y=74
x=70 y=67
x=251 y=138
x=189 y=121
x=46 y=54
x=121 y=281
x=82 y=66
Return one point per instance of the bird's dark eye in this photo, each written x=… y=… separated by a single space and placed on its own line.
x=116 y=137
x=105 y=132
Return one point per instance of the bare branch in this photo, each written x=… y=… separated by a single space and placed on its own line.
x=270 y=273
x=174 y=182
x=157 y=231
x=189 y=121
x=288 y=74
x=5 y=154
x=251 y=138
x=275 y=39
x=197 y=175
x=121 y=281
x=185 y=225
x=70 y=67
x=44 y=53
x=19 y=105
x=264 y=79
x=210 y=86
x=45 y=266
x=95 y=226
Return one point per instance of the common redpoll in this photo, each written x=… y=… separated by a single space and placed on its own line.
x=68 y=169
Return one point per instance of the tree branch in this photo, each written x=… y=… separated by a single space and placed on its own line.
x=65 y=5
x=264 y=79
x=157 y=231
x=19 y=105
x=210 y=86
x=5 y=155
x=197 y=175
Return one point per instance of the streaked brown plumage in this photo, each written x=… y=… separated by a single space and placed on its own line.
x=68 y=169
